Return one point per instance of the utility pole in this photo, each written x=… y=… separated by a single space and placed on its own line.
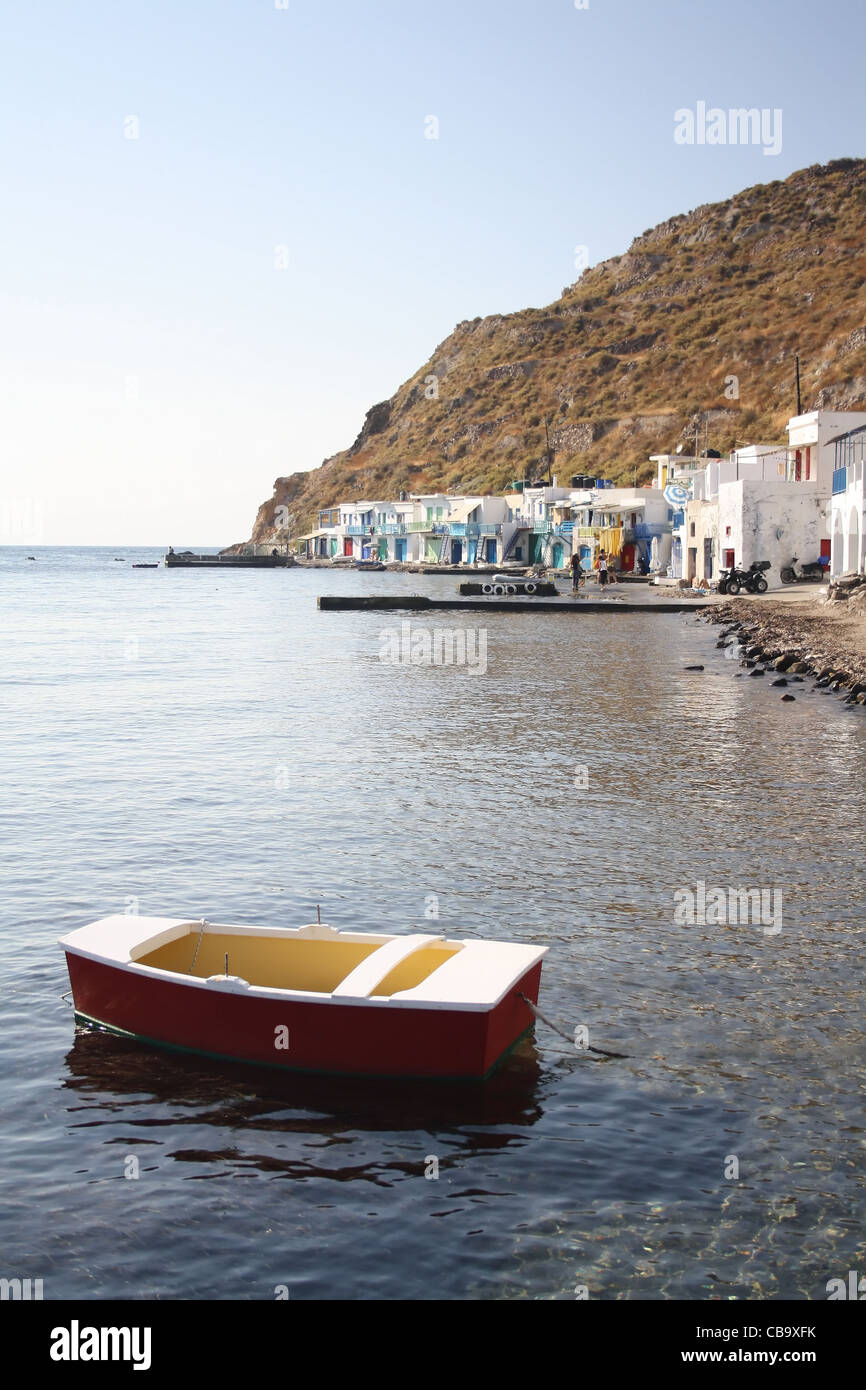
x=549 y=454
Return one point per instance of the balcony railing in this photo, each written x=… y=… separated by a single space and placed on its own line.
x=357 y=530
x=648 y=530
x=471 y=529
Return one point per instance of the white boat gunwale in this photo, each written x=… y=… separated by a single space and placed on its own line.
x=489 y=969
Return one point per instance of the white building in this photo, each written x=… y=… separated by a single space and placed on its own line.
x=848 y=503
x=811 y=444
x=631 y=524
x=770 y=519
x=764 y=502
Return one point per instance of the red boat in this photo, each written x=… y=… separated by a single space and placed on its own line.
x=308 y=998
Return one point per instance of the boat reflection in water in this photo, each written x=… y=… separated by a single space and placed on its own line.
x=241 y=1118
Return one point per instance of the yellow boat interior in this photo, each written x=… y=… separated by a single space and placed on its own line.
x=314 y=959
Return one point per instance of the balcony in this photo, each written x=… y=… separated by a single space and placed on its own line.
x=358 y=531
x=415 y=526
x=648 y=530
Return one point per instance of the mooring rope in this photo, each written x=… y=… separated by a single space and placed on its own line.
x=197 y=944
x=588 y=1048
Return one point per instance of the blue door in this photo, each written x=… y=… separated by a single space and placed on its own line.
x=490 y=552
x=456 y=552
x=400 y=550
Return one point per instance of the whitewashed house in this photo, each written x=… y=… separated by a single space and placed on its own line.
x=848 y=504
x=761 y=503
x=633 y=525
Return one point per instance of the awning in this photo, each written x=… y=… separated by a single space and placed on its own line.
x=463 y=512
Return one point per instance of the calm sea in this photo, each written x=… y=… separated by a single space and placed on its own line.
x=205 y=744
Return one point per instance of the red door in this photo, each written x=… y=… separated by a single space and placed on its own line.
x=626 y=558
x=347 y=545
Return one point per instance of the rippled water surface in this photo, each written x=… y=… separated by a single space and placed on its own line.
x=205 y=744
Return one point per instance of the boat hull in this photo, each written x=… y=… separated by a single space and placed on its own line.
x=371 y=1038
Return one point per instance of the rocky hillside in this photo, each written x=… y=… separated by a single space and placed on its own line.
x=633 y=357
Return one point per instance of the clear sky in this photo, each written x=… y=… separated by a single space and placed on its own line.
x=225 y=232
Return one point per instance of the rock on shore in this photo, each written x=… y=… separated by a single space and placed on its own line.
x=811 y=637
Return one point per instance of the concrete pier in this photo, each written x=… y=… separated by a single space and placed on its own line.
x=337 y=603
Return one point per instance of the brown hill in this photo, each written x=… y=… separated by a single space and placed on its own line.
x=634 y=357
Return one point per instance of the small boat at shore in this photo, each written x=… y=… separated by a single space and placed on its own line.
x=369 y=565
x=307 y=998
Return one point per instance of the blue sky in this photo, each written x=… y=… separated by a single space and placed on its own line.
x=158 y=369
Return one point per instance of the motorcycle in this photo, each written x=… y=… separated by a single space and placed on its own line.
x=813 y=573
x=733 y=580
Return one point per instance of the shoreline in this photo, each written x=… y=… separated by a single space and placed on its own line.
x=802 y=635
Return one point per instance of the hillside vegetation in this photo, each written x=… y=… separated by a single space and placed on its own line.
x=634 y=357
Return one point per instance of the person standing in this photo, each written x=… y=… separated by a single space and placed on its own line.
x=602 y=569
x=576 y=572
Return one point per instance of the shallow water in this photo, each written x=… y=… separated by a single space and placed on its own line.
x=209 y=744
